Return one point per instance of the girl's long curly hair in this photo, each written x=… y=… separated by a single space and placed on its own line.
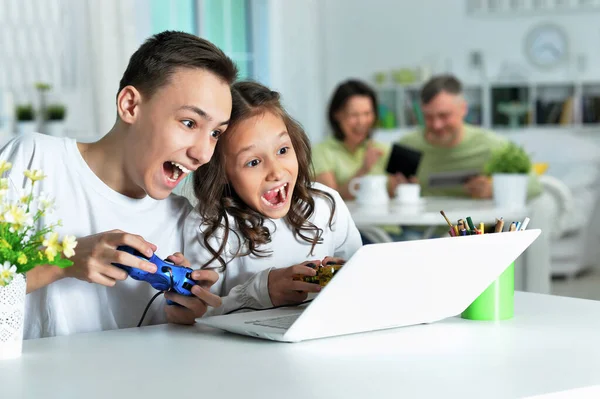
x=217 y=199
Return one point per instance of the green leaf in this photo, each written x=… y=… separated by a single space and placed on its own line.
x=511 y=159
x=62 y=263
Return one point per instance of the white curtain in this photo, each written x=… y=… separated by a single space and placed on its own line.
x=114 y=34
x=79 y=47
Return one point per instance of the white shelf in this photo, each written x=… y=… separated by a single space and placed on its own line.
x=482 y=97
x=576 y=129
x=515 y=8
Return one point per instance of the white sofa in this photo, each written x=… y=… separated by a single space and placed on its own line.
x=573 y=178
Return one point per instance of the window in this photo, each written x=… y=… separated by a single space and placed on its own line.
x=45 y=42
x=238 y=27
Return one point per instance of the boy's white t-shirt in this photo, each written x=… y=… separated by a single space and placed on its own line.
x=87 y=206
x=244 y=283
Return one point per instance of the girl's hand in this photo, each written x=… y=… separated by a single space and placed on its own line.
x=192 y=307
x=284 y=290
x=330 y=260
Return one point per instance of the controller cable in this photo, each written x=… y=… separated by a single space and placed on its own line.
x=148 y=306
x=156 y=296
x=230 y=312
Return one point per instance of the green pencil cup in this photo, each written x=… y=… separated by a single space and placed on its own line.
x=497 y=301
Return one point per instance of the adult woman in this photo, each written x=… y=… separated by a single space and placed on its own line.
x=350 y=152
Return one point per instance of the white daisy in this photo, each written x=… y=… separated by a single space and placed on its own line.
x=7 y=272
x=46 y=203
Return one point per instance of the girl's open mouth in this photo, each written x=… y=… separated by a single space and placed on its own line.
x=276 y=197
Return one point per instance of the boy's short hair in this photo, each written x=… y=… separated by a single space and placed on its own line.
x=438 y=84
x=151 y=66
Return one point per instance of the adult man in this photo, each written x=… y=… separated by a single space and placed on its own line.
x=173 y=102
x=449 y=144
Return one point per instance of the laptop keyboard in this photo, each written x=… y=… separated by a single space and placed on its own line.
x=282 y=322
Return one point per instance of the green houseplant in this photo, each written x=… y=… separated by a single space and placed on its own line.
x=42 y=88
x=509 y=159
x=25 y=116
x=509 y=167
x=55 y=112
x=25 y=113
x=55 y=119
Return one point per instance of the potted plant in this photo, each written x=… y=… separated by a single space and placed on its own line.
x=509 y=168
x=55 y=119
x=25 y=115
x=26 y=241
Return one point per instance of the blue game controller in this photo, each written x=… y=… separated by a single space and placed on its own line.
x=168 y=277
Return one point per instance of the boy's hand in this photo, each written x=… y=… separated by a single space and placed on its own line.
x=195 y=306
x=284 y=290
x=95 y=254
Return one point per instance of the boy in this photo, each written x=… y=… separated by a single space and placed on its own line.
x=173 y=102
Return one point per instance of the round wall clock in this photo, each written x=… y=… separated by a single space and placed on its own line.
x=546 y=46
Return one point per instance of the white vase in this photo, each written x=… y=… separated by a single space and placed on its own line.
x=25 y=127
x=55 y=128
x=12 y=317
x=510 y=190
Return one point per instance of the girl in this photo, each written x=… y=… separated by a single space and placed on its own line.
x=258 y=208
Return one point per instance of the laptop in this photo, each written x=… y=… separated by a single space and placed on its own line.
x=390 y=285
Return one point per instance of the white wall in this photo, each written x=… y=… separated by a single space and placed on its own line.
x=317 y=44
x=362 y=37
x=296 y=67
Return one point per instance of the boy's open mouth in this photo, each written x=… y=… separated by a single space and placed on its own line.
x=174 y=171
x=277 y=196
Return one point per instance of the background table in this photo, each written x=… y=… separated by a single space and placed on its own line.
x=429 y=213
x=550 y=345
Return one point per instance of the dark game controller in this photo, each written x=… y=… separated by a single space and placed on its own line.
x=168 y=277
x=324 y=273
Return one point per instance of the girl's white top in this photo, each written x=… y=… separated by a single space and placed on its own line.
x=244 y=283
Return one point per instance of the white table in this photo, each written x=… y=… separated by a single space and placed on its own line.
x=533 y=267
x=429 y=213
x=550 y=345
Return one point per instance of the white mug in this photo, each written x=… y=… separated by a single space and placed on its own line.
x=370 y=189
x=409 y=193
